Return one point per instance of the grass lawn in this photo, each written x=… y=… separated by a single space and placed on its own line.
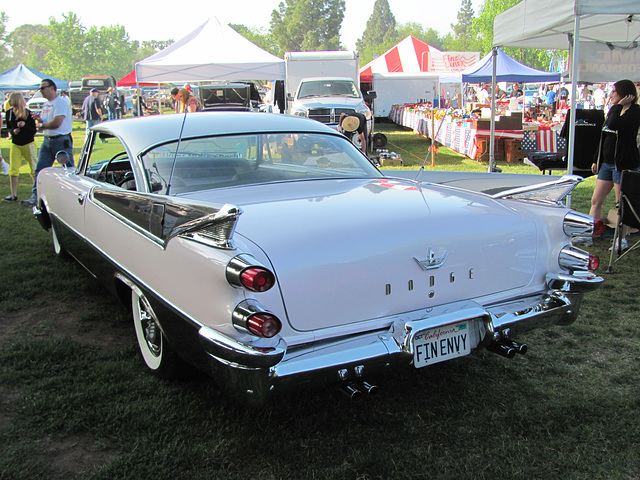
x=77 y=403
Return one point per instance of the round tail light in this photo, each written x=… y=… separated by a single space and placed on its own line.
x=257 y=279
x=594 y=262
x=264 y=325
x=246 y=272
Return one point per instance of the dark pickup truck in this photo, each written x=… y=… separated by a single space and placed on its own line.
x=99 y=82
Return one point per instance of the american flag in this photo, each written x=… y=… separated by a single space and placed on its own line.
x=529 y=141
x=550 y=141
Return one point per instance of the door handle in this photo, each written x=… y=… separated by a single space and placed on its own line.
x=81 y=197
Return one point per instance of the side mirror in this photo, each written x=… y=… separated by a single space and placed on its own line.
x=370 y=95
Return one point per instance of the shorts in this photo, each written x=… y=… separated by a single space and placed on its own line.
x=609 y=173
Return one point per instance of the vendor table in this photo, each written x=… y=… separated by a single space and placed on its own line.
x=463 y=136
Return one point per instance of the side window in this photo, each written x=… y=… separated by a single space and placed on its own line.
x=108 y=162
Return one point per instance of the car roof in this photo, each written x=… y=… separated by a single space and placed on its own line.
x=141 y=133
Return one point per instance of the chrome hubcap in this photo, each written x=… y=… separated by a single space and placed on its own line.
x=151 y=334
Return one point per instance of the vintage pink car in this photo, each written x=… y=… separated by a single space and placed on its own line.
x=269 y=252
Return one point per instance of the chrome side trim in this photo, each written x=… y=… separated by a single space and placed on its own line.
x=550 y=193
x=578 y=282
x=235 y=354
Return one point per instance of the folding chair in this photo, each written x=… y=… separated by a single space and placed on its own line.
x=628 y=214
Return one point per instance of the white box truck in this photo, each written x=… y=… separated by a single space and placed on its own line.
x=325 y=86
x=299 y=65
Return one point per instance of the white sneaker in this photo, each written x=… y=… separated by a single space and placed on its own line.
x=623 y=245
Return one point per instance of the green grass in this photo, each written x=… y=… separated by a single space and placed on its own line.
x=77 y=402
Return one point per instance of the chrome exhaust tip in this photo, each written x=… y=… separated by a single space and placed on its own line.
x=368 y=388
x=352 y=391
x=502 y=349
x=520 y=348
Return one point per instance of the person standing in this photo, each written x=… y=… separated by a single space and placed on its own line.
x=22 y=128
x=599 y=97
x=483 y=95
x=112 y=103
x=91 y=109
x=56 y=122
x=618 y=148
x=550 y=99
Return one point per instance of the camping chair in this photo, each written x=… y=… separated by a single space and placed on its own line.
x=628 y=214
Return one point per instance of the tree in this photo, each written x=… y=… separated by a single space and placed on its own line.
x=483 y=29
x=307 y=25
x=148 y=48
x=380 y=34
x=66 y=42
x=109 y=51
x=260 y=37
x=26 y=50
x=463 y=39
x=75 y=52
x=429 y=36
x=4 y=51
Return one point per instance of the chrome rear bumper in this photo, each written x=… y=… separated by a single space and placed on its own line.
x=255 y=373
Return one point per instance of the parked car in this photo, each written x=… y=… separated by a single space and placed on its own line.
x=267 y=251
x=36 y=103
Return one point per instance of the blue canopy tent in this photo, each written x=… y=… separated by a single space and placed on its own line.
x=25 y=78
x=495 y=67
x=507 y=70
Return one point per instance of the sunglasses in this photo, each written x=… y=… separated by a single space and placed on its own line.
x=44 y=86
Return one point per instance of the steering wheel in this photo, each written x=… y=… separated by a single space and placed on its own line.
x=127 y=182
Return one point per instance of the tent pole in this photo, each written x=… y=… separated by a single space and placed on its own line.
x=574 y=51
x=492 y=138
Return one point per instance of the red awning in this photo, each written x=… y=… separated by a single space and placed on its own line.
x=129 y=80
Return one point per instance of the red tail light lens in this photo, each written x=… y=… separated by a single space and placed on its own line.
x=264 y=325
x=257 y=279
x=598 y=227
x=594 y=262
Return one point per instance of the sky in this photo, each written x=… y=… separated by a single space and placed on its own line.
x=170 y=20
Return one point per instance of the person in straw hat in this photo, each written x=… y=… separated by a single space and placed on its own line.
x=355 y=122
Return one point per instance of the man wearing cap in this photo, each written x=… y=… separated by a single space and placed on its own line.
x=355 y=122
x=91 y=109
x=55 y=122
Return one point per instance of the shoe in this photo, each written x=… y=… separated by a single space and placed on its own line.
x=10 y=198
x=623 y=245
x=585 y=240
x=31 y=202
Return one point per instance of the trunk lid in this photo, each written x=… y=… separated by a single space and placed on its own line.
x=354 y=250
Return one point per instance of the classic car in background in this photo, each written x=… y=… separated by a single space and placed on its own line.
x=267 y=251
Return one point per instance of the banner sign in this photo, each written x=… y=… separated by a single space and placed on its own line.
x=451 y=61
x=603 y=63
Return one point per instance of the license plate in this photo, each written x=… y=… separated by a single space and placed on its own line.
x=440 y=344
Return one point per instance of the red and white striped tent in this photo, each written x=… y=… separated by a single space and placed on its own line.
x=409 y=55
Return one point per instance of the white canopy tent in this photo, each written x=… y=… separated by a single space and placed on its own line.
x=568 y=24
x=212 y=52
